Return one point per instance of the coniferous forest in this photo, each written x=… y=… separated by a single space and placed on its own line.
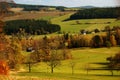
x=30 y=26
x=95 y=13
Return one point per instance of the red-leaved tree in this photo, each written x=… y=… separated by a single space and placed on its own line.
x=4 y=69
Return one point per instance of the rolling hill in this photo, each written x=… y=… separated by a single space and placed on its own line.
x=34 y=7
x=86 y=7
x=9 y=1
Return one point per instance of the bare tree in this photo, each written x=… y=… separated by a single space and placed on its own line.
x=87 y=67
x=55 y=60
x=29 y=62
x=72 y=65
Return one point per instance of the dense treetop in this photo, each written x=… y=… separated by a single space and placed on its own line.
x=95 y=13
x=30 y=26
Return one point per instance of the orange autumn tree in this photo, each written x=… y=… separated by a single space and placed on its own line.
x=4 y=69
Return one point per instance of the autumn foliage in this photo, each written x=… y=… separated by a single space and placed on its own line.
x=4 y=69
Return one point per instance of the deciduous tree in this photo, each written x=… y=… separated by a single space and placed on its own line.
x=55 y=60
x=4 y=69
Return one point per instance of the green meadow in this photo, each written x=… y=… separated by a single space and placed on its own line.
x=70 y=25
x=82 y=57
x=87 y=24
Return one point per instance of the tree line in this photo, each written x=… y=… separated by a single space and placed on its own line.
x=35 y=7
x=110 y=38
x=95 y=13
x=30 y=27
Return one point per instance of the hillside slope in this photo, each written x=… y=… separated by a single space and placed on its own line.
x=9 y=1
x=87 y=24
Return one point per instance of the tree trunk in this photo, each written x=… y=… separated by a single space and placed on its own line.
x=87 y=71
x=112 y=72
x=29 y=67
x=52 y=69
x=72 y=70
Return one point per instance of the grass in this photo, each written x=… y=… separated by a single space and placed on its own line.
x=87 y=24
x=81 y=57
x=116 y=23
x=66 y=76
x=34 y=15
x=48 y=18
x=67 y=26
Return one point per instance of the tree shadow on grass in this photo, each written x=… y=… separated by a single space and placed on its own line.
x=79 y=76
x=55 y=75
x=104 y=75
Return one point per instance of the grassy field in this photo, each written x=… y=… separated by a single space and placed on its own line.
x=81 y=58
x=66 y=26
x=87 y=24
x=35 y=15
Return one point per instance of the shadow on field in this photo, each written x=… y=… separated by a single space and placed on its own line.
x=56 y=75
x=80 y=78
x=66 y=76
x=104 y=75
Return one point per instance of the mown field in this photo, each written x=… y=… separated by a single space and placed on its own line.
x=87 y=24
x=35 y=15
x=81 y=57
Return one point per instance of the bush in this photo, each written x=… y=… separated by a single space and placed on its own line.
x=108 y=44
x=4 y=69
x=96 y=30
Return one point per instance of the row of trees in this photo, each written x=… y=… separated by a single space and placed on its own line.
x=95 y=13
x=30 y=26
x=35 y=7
x=111 y=38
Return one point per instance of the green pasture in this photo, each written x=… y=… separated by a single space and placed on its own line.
x=71 y=25
x=87 y=24
x=81 y=57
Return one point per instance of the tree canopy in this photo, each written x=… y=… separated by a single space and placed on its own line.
x=95 y=13
x=30 y=26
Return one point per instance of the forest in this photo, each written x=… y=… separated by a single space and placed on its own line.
x=30 y=26
x=95 y=13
